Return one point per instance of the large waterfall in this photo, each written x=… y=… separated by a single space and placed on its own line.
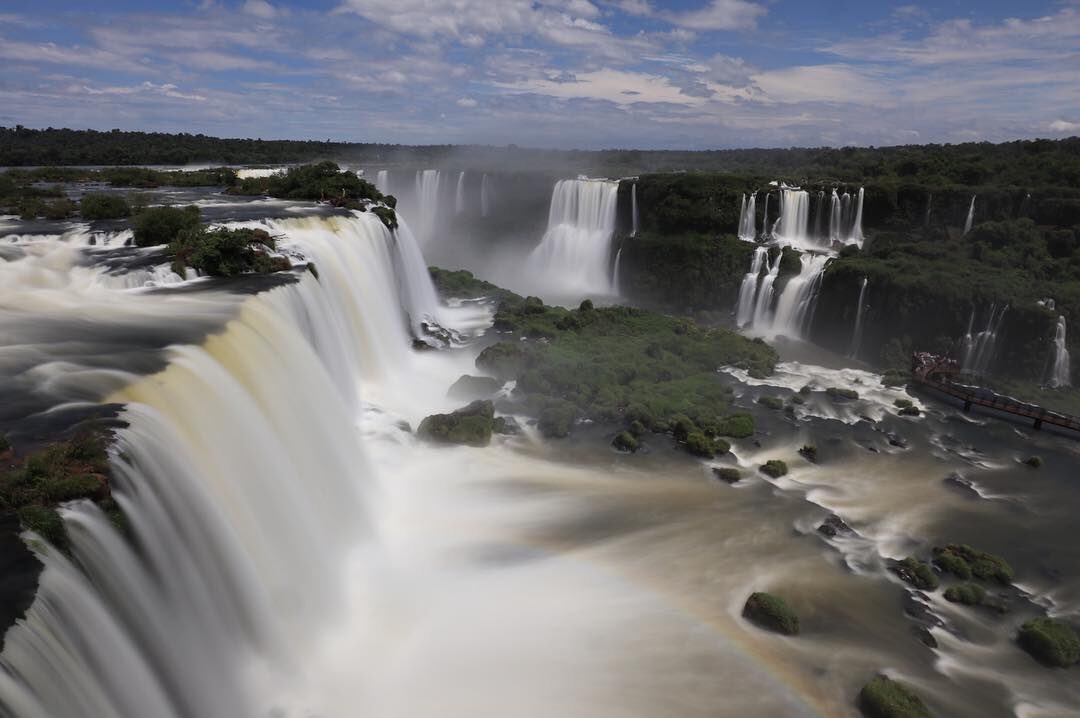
x=857 y=333
x=744 y=310
x=794 y=307
x=426 y=214
x=748 y=217
x=382 y=181
x=1061 y=370
x=979 y=348
x=574 y=256
x=794 y=222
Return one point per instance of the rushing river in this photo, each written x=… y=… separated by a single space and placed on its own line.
x=297 y=552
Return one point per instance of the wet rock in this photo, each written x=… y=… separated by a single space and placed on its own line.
x=915 y=572
x=834 y=527
x=922 y=633
x=772 y=613
x=470 y=388
x=506 y=425
x=959 y=483
x=919 y=611
x=471 y=425
x=897 y=441
x=996 y=603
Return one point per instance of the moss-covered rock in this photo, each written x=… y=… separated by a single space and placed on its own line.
x=955 y=564
x=885 y=698
x=471 y=425
x=698 y=444
x=470 y=388
x=774 y=468
x=809 y=452
x=985 y=566
x=727 y=474
x=1050 y=641
x=625 y=441
x=1034 y=462
x=771 y=402
x=841 y=394
x=461 y=284
x=772 y=613
x=505 y=359
x=506 y=425
x=969 y=594
x=556 y=420
x=917 y=573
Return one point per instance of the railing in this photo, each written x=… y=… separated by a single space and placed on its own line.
x=1037 y=414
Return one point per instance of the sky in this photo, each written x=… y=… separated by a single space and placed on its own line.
x=590 y=74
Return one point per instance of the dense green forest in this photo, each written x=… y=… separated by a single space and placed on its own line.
x=1028 y=163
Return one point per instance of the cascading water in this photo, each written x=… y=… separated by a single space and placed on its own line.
x=1061 y=371
x=970 y=216
x=748 y=218
x=574 y=255
x=485 y=197
x=793 y=308
x=819 y=217
x=794 y=220
x=855 y=236
x=459 y=195
x=427 y=200
x=835 y=217
x=744 y=310
x=763 y=303
x=765 y=219
x=857 y=334
x=979 y=348
x=382 y=181
x=615 y=279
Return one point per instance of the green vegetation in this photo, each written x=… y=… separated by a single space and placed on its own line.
x=98 y=205
x=982 y=565
x=1050 y=641
x=625 y=441
x=774 y=468
x=63 y=471
x=471 y=425
x=1034 y=462
x=917 y=573
x=220 y=252
x=621 y=365
x=462 y=284
x=727 y=474
x=842 y=394
x=770 y=612
x=771 y=402
x=885 y=698
x=163 y=225
x=809 y=452
x=969 y=594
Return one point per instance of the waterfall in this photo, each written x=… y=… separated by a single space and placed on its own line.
x=860 y=308
x=382 y=181
x=819 y=218
x=744 y=310
x=748 y=218
x=797 y=299
x=835 y=218
x=855 y=236
x=615 y=283
x=979 y=348
x=794 y=220
x=485 y=199
x=634 y=210
x=573 y=256
x=763 y=304
x=929 y=207
x=970 y=216
x=765 y=220
x=1061 y=373
x=459 y=197
x=427 y=204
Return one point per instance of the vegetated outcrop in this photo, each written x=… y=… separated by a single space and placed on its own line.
x=471 y=425
x=772 y=613
x=883 y=697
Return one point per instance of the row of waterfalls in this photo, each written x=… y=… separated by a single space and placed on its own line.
x=804 y=221
x=787 y=313
x=429 y=197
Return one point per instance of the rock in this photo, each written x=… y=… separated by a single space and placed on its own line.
x=470 y=388
x=920 y=611
x=404 y=426
x=922 y=633
x=774 y=468
x=958 y=482
x=506 y=425
x=834 y=526
x=885 y=698
x=897 y=441
x=1033 y=461
x=915 y=572
x=1051 y=642
x=471 y=425
x=809 y=452
x=422 y=346
x=769 y=612
x=727 y=474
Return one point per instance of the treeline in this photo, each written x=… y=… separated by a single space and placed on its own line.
x=1024 y=163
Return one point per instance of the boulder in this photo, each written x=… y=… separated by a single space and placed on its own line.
x=470 y=388
x=471 y=425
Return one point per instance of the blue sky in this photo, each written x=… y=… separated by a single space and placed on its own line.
x=690 y=74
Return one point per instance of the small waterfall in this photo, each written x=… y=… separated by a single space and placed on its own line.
x=1061 y=372
x=929 y=207
x=855 y=236
x=634 y=210
x=763 y=304
x=427 y=200
x=860 y=308
x=845 y=215
x=970 y=216
x=382 y=181
x=835 y=218
x=485 y=197
x=459 y=196
x=765 y=221
x=979 y=348
x=794 y=220
x=744 y=310
x=573 y=256
x=797 y=299
x=615 y=279
x=748 y=218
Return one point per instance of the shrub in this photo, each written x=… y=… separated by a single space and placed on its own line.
x=220 y=252
x=950 y=562
x=727 y=474
x=468 y=387
x=1050 y=641
x=5 y=445
x=809 y=452
x=625 y=441
x=45 y=522
x=637 y=429
x=1034 y=462
x=774 y=468
x=983 y=565
x=903 y=404
x=885 y=698
x=737 y=426
x=59 y=209
x=162 y=225
x=557 y=420
x=969 y=594
x=917 y=573
x=97 y=205
x=840 y=393
x=771 y=402
x=471 y=425
x=770 y=612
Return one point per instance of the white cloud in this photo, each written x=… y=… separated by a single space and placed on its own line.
x=260 y=8
x=719 y=15
x=467 y=102
x=822 y=83
x=1064 y=126
x=164 y=90
x=616 y=86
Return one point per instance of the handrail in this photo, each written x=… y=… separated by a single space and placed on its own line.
x=999 y=403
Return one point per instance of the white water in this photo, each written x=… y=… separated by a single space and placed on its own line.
x=615 y=279
x=763 y=304
x=835 y=218
x=855 y=236
x=459 y=195
x=819 y=218
x=485 y=197
x=860 y=309
x=765 y=219
x=574 y=255
x=794 y=307
x=979 y=348
x=970 y=216
x=634 y=210
x=744 y=310
x=382 y=181
x=748 y=218
x=427 y=204
x=794 y=222
x=1061 y=372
